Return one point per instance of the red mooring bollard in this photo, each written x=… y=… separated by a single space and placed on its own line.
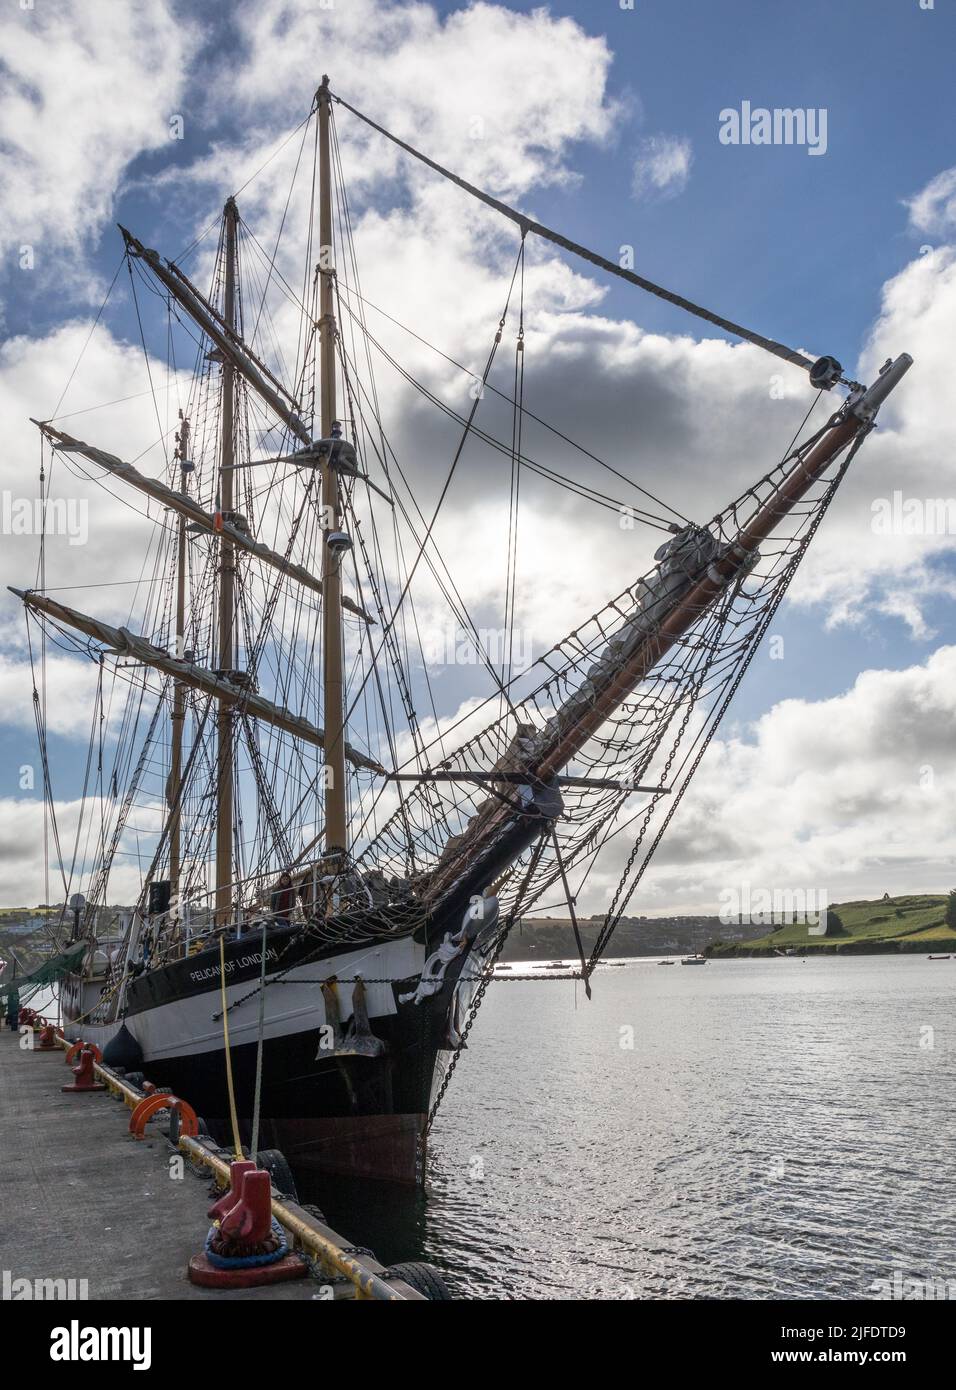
x=47 y=1040
x=246 y=1249
x=85 y=1076
x=231 y=1195
x=75 y=1048
x=149 y=1106
x=249 y=1221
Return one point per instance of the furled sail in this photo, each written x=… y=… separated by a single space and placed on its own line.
x=210 y=682
x=187 y=507
x=228 y=341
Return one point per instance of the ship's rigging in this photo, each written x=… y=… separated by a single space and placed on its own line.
x=245 y=690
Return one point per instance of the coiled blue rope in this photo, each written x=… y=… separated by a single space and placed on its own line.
x=246 y=1261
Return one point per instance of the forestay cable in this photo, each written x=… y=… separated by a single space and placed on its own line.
x=527 y=224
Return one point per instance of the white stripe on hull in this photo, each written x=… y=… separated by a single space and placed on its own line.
x=187 y=1027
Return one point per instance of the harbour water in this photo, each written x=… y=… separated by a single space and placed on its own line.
x=778 y=1128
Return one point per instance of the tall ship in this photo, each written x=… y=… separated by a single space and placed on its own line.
x=329 y=867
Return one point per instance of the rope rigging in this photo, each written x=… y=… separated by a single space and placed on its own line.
x=614 y=717
x=527 y=224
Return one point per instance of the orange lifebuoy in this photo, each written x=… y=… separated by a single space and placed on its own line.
x=77 y=1047
x=149 y=1105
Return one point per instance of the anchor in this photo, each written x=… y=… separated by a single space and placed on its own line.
x=357 y=1040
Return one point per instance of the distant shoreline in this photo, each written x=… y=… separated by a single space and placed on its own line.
x=910 y=924
x=894 y=947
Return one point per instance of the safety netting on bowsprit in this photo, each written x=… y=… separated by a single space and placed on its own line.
x=653 y=739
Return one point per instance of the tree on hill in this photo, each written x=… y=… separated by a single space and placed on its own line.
x=834 y=925
x=951 y=909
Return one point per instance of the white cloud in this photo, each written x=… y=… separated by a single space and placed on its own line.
x=495 y=94
x=851 y=795
x=694 y=420
x=855 y=569
x=21 y=852
x=87 y=89
x=74 y=684
x=33 y=373
x=933 y=209
x=662 y=167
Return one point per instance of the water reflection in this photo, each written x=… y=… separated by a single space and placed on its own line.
x=751 y=1129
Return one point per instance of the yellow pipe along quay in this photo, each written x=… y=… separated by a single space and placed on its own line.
x=307 y=1235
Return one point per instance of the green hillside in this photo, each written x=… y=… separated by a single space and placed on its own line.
x=912 y=923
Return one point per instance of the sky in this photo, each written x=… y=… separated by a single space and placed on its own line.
x=834 y=769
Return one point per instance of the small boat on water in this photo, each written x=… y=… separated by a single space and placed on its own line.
x=693 y=960
x=939 y=958
x=665 y=962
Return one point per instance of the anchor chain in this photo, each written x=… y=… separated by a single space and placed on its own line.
x=480 y=991
x=609 y=924
x=609 y=927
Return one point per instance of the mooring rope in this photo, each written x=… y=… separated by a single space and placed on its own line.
x=254 y=1147
x=237 y=1143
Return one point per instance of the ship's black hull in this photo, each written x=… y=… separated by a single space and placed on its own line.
x=347 y=1099
x=356 y=1116
x=330 y=1099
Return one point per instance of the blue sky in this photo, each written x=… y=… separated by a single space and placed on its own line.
x=797 y=246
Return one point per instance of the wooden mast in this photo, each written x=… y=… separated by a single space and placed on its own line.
x=333 y=681
x=179 y=690
x=227 y=578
